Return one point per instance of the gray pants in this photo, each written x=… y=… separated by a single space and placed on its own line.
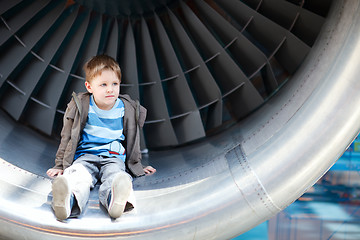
x=87 y=170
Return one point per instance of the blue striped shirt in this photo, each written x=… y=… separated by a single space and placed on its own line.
x=103 y=132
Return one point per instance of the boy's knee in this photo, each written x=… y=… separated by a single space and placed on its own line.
x=78 y=171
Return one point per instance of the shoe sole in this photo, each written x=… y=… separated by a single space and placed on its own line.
x=120 y=192
x=61 y=198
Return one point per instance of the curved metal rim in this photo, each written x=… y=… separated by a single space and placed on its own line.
x=261 y=175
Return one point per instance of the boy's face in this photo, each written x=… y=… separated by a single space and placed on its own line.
x=105 y=89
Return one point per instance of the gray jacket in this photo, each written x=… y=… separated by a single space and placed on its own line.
x=74 y=122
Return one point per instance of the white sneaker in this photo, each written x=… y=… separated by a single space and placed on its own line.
x=61 y=198
x=120 y=190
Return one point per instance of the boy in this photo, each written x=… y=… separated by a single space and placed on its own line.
x=99 y=140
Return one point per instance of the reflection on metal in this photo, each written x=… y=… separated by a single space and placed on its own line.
x=216 y=188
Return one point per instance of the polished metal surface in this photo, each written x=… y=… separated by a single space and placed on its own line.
x=221 y=186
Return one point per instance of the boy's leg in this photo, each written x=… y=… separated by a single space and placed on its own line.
x=116 y=186
x=74 y=185
x=118 y=196
x=61 y=198
x=80 y=181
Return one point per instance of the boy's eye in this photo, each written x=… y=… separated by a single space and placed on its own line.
x=103 y=85
x=115 y=84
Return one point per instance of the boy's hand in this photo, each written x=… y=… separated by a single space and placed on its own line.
x=52 y=172
x=149 y=170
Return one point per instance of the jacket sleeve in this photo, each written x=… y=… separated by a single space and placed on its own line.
x=135 y=118
x=65 y=134
x=142 y=116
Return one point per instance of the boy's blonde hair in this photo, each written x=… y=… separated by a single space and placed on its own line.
x=97 y=64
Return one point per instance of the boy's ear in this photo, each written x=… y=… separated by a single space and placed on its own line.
x=88 y=87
